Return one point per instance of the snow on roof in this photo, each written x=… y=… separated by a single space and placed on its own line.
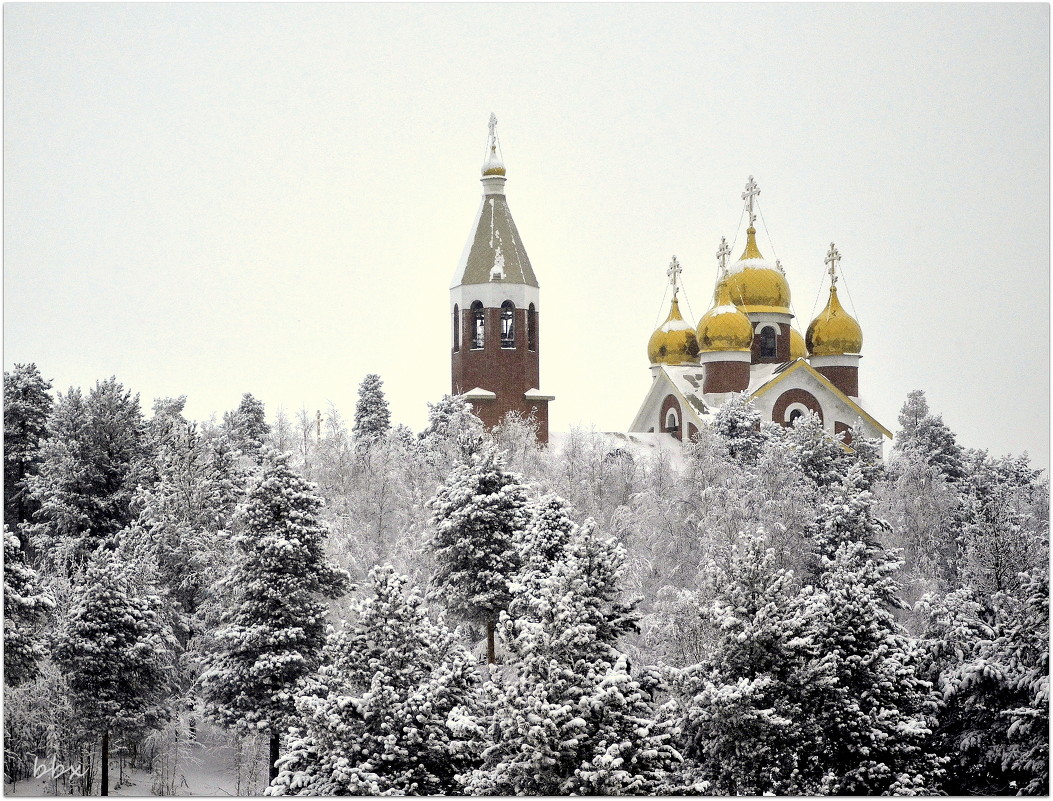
x=752 y=264
x=495 y=250
x=480 y=394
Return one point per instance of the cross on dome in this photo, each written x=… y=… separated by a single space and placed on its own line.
x=492 y=164
x=674 y=274
x=722 y=255
x=492 y=125
x=833 y=258
x=752 y=190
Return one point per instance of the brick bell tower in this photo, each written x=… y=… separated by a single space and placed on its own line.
x=495 y=307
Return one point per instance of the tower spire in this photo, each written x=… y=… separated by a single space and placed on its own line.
x=752 y=190
x=833 y=259
x=493 y=164
x=674 y=275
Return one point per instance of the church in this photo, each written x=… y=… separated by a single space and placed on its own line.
x=745 y=343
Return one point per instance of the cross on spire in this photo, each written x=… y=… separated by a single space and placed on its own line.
x=752 y=190
x=833 y=258
x=722 y=255
x=492 y=126
x=674 y=275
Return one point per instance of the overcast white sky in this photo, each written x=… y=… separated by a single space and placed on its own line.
x=215 y=199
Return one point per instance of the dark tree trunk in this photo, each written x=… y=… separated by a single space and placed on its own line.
x=491 y=655
x=105 y=789
x=275 y=742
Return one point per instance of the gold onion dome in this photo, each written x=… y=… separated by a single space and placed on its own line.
x=834 y=331
x=724 y=327
x=493 y=164
x=754 y=283
x=673 y=342
x=798 y=350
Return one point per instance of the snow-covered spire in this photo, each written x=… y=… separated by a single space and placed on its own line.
x=833 y=259
x=674 y=275
x=493 y=164
x=752 y=190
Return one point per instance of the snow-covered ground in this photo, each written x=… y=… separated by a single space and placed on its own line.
x=207 y=767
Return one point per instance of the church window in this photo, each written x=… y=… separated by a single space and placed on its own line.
x=508 y=324
x=795 y=415
x=532 y=327
x=478 y=326
x=456 y=328
x=767 y=342
x=671 y=423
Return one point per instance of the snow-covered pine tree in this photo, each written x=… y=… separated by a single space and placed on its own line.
x=247 y=427
x=27 y=404
x=477 y=517
x=739 y=424
x=91 y=464
x=116 y=652
x=544 y=540
x=989 y=656
x=879 y=721
x=397 y=691
x=452 y=434
x=569 y=716
x=26 y=606
x=372 y=416
x=924 y=436
x=273 y=627
x=822 y=457
x=754 y=713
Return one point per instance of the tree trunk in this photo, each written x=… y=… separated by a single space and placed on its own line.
x=491 y=655
x=105 y=788
x=275 y=742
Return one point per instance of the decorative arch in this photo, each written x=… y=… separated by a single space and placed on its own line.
x=508 y=324
x=671 y=413
x=794 y=400
x=769 y=338
x=478 y=325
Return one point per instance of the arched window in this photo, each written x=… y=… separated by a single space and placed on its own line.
x=456 y=328
x=767 y=342
x=478 y=326
x=795 y=415
x=671 y=423
x=508 y=324
x=532 y=327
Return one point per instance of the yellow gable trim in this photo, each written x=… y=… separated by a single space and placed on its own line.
x=825 y=382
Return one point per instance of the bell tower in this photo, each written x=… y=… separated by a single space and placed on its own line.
x=495 y=310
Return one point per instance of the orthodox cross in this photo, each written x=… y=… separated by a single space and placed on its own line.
x=674 y=274
x=722 y=255
x=493 y=125
x=752 y=190
x=833 y=258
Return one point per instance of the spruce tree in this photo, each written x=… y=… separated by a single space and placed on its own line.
x=477 y=517
x=27 y=404
x=372 y=416
x=924 y=437
x=247 y=427
x=755 y=709
x=26 y=606
x=880 y=720
x=90 y=468
x=116 y=652
x=273 y=626
x=569 y=716
x=396 y=686
x=822 y=458
x=739 y=424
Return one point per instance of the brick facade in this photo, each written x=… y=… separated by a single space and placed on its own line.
x=508 y=372
x=726 y=377
x=782 y=344
x=843 y=377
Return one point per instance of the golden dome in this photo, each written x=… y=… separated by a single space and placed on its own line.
x=798 y=350
x=493 y=165
x=673 y=342
x=834 y=331
x=724 y=327
x=755 y=284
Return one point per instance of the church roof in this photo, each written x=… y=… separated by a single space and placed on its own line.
x=495 y=252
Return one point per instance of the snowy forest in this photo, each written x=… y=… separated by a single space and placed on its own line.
x=345 y=606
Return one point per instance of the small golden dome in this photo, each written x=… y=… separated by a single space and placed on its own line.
x=798 y=350
x=673 y=342
x=834 y=331
x=724 y=327
x=755 y=284
x=493 y=165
